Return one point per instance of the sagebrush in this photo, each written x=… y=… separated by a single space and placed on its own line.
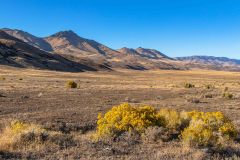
x=193 y=128
x=71 y=84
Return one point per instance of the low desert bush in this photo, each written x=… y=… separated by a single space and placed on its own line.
x=189 y=85
x=172 y=119
x=209 y=86
x=225 y=89
x=208 y=129
x=155 y=133
x=131 y=138
x=19 y=135
x=71 y=84
x=61 y=140
x=227 y=95
x=2 y=78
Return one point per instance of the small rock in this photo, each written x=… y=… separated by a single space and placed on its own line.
x=40 y=94
x=206 y=150
x=24 y=97
x=208 y=96
x=107 y=148
x=159 y=97
x=127 y=99
x=193 y=100
x=134 y=101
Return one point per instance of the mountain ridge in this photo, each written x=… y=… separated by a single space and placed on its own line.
x=211 y=62
x=69 y=45
x=144 y=52
x=29 y=38
x=16 y=53
x=70 y=40
x=205 y=57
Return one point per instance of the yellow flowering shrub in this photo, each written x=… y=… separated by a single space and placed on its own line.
x=228 y=130
x=172 y=119
x=17 y=126
x=126 y=118
x=195 y=128
x=198 y=135
x=208 y=129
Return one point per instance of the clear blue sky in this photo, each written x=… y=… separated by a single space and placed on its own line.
x=175 y=27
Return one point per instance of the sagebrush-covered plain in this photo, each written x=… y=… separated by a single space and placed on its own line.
x=43 y=118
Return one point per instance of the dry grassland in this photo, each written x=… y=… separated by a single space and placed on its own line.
x=41 y=97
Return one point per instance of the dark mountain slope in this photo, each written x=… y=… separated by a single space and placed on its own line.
x=14 y=52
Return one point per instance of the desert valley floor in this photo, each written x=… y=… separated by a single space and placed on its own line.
x=42 y=97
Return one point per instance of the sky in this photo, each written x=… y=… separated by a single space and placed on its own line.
x=174 y=27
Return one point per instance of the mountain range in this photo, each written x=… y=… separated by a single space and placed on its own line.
x=211 y=62
x=66 y=51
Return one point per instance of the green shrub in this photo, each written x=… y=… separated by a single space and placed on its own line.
x=71 y=84
x=189 y=85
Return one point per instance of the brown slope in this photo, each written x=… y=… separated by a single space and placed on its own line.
x=148 y=58
x=128 y=51
x=144 y=52
x=29 y=38
x=69 y=42
x=14 y=52
x=151 y=53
